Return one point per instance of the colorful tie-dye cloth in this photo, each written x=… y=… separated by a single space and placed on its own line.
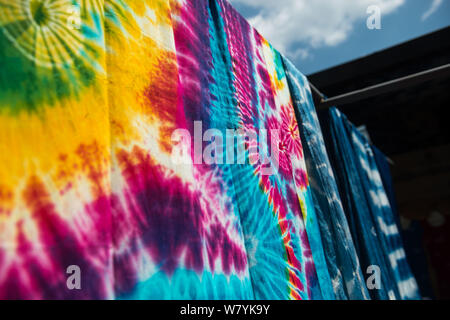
x=93 y=97
x=342 y=260
x=370 y=216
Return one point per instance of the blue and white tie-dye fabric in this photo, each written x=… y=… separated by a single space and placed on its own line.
x=342 y=260
x=418 y=256
x=385 y=173
x=367 y=207
x=388 y=228
x=346 y=166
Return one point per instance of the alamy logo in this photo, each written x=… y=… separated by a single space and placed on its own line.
x=237 y=147
x=374 y=281
x=74 y=280
x=374 y=19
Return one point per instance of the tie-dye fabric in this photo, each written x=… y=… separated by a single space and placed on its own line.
x=55 y=151
x=388 y=228
x=371 y=220
x=91 y=93
x=414 y=252
x=178 y=234
x=264 y=102
x=388 y=184
x=342 y=261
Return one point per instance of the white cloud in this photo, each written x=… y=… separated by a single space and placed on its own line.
x=290 y=24
x=300 y=53
x=434 y=6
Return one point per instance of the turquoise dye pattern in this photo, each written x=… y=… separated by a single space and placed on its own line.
x=311 y=221
x=188 y=285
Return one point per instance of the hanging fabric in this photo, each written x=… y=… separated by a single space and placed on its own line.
x=368 y=210
x=342 y=260
x=95 y=203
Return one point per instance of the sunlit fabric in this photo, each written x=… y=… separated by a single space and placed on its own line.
x=271 y=205
x=342 y=260
x=119 y=179
x=89 y=103
x=368 y=210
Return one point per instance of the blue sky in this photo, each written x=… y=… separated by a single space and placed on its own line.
x=318 y=34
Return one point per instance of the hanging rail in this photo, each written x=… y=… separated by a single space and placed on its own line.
x=385 y=87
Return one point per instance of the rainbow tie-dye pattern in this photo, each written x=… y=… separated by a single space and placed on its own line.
x=88 y=104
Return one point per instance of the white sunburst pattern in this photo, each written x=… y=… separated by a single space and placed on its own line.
x=49 y=32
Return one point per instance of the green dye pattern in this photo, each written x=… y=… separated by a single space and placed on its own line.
x=278 y=63
x=27 y=86
x=39 y=12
